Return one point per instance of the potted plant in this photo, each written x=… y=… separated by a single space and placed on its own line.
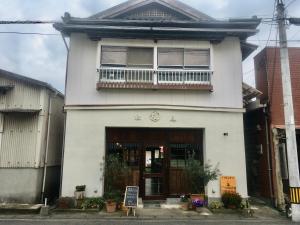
x=111 y=200
x=115 y=173
x=79 y=195
x=199 y=203
x=111 y=206
x=93 y=203
x=184 y=200
x=231 y=200
x=198 y=175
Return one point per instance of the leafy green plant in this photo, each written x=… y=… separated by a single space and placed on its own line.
x=93 y=203
x=232 y=200
x=115 y=173
x=215 y=205
x=184 y=198
x=114 y=196
x=199 y=175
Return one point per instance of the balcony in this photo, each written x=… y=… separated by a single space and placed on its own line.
x=133 y=78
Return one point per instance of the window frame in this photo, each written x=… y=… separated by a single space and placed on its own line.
x=184 y=66
x=127 y=65
x=155 y=48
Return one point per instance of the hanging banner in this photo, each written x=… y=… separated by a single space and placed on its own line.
x=228 y=184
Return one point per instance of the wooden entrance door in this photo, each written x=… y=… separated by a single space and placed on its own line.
x=157 y=171
x=154 y=172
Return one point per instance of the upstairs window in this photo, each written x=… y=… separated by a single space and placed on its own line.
x=183 y=58
x=113 y=56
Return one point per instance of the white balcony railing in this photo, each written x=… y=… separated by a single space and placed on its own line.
x=154 y=77
x=126 y=75
x=184 y=77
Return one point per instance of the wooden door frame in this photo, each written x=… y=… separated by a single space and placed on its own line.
x=143 y=138
x=163 y=175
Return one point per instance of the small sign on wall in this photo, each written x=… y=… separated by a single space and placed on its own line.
x=228 y=184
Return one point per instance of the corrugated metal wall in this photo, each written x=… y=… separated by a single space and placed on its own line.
x=22 y=96
x=19 y=138
x=24 y=135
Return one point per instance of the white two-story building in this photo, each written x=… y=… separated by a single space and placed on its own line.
x=154 y=80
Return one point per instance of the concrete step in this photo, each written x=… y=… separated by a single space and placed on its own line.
x=15 y=208
x=153 y=204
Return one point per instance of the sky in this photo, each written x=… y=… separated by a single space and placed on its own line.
x=43 y=57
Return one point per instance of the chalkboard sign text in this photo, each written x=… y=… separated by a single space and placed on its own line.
x=131 y=196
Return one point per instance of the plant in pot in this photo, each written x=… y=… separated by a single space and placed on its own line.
x=93 y=203
x=185 y=201
x=198 y=175
x=115 y=173
x=231 y=200
x=199 y=203
x=111 y=200
x=79 y=195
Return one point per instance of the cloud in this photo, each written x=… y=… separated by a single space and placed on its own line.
x=215 y=5
x=44 y=57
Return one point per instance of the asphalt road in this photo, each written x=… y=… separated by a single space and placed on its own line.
x=137 y=222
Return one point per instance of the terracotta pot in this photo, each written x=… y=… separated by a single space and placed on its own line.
x=123 y=208
x=111 y=207
x=197 y=196
x=185 y=206
x=231 y=207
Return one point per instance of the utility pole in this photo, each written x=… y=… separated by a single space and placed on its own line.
x=294 y=180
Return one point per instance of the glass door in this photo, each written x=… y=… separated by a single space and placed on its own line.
x=153 y=173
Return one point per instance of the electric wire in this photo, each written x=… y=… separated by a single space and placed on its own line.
x=274 y=68
x=270 y=31
x=27 y=22
x=28 y=33
x=290 y=3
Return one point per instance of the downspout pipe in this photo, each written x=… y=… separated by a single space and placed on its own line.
x=65 y=119
x=269 y=153
x=47 y=148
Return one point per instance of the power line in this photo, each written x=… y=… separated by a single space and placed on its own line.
x=28 y=33
x=27 y=22
x=270 y=40
x=270 y=32
x=274 y=67
x=295 y=34
x=288 y=4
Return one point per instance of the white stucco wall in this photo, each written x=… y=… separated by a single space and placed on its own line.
x=85 y=143
x=82 y=76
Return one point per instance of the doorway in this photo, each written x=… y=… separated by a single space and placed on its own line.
x=156 y=157
x=154 y=172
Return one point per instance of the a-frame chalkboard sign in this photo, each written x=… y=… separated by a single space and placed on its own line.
x=131 y=198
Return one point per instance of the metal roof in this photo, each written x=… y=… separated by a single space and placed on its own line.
x=187 y=23
x=249 y=93
x=175 y=5
x=14 y=76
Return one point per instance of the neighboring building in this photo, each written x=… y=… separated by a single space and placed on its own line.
x=154 y=80
x=31 y=133
x=265 y=126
